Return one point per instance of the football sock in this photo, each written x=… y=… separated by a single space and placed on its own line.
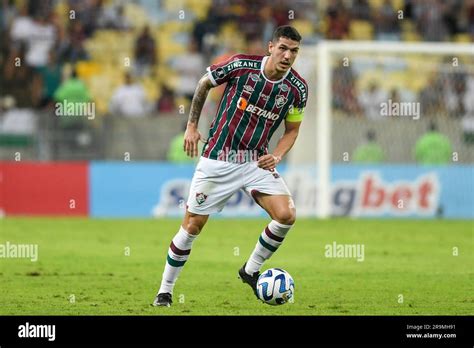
x=178 y=253
x=269 y=241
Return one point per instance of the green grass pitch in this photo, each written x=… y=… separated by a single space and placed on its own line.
x=83 y=269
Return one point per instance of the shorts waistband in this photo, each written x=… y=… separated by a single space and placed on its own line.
x=235 y=156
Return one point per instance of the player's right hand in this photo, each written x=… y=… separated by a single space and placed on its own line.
x=191 y=140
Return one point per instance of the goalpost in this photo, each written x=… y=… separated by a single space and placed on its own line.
x=413 y=65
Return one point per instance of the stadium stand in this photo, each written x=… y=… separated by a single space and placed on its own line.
x=99 y=40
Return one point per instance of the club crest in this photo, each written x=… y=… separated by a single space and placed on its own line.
x=280 y=100
x=200 y=198
x=220 y=73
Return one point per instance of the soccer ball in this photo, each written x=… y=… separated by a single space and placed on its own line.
x=275 y=286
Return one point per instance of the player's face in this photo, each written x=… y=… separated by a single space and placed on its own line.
x=283 y=53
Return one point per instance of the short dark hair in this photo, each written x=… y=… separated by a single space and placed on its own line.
x=286 y=31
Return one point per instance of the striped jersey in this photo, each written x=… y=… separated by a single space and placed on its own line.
x=251 y=108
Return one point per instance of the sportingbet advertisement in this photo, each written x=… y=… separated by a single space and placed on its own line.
x=159 y=190
x=105 y=189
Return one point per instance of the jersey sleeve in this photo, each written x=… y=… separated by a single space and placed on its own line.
x=223 y=72
x=296 y=111
x=295 y=114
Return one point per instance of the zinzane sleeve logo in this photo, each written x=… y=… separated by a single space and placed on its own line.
x=223 y=72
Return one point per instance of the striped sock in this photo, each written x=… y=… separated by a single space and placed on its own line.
x=269 y=241
x=178 y=253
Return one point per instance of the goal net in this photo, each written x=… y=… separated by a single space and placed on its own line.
x=388 y=130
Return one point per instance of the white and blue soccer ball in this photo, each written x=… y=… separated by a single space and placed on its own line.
x=275 y=287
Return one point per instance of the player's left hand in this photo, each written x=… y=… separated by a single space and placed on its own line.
x=268 y=162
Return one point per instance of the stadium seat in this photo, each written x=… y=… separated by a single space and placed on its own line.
x=407 y=25
x=462 y=38
x=136 y=15
x=304 y=26
x=151 y=88
x=361 y=30
x=411 y=36
x=200 y=8
x=417 y=82
x=172 y=5
x=375 y=4
x=173 y=48
x=87 y=69
x=182 y=101
x=398 y=4
x=173 y=27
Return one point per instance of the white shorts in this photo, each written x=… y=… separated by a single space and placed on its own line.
x=214 y=182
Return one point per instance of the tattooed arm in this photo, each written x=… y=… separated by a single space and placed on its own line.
x=192 y=135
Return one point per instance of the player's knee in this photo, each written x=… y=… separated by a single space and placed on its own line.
x=194 y=223
x=192 y=227
x=286 y=217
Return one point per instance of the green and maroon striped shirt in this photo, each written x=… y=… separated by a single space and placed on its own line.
x=252 y=107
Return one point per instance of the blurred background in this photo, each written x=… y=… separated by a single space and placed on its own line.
x=132 y=66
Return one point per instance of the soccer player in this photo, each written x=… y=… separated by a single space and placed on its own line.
x=261 y=92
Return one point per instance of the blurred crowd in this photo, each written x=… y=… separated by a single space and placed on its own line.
x=41 y=42
x=434 y=20
x=36 y=44
x=449 y=91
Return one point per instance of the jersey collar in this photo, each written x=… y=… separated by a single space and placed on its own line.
x=264 y=60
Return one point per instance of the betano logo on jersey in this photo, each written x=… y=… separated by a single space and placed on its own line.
x=243 y=104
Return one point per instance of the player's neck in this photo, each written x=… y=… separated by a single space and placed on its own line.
x=270 y=71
